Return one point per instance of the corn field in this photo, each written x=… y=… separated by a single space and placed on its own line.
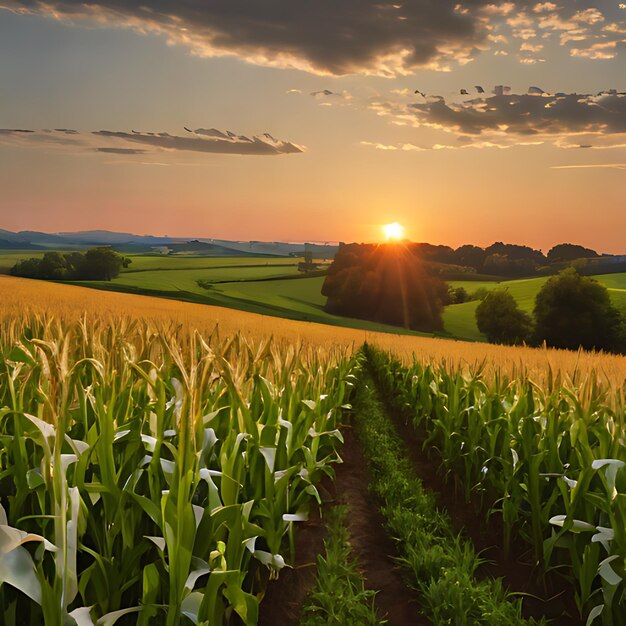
x=550 y=460
x=154 y=476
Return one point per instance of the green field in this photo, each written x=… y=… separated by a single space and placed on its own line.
x=460 y=321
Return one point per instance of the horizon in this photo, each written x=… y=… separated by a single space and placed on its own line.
x=322 y=242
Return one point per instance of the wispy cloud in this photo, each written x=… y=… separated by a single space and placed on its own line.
x=589 y=166
x=210 y=141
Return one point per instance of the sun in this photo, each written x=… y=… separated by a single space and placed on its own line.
x=393 y=232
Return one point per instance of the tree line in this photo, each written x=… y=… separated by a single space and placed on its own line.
x=505 y=259
x=393 y=284
x=100 y=263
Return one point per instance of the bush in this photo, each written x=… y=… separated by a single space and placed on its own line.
x=458 y=295
x=573 y=311
x=499 y=318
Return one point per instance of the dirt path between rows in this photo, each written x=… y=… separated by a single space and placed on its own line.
x=372 y=547
x=555 y=602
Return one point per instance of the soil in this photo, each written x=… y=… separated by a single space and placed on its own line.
x=372 y=547
x=285 y=597
x=552 y=599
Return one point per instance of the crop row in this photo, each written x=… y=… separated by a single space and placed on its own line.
x=153 y=476
x=550 y=460
x=441 y=566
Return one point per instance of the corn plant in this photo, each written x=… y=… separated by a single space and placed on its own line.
x=150 y=475
x=549 y=459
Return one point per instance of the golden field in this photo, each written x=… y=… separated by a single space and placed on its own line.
x=19 y=297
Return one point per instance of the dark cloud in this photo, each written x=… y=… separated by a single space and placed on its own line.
x=211 y=141
x=564 y=119
x=325 y=36
x=527 y=114
x=356 y=36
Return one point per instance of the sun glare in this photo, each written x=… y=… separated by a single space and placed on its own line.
x=393 y=232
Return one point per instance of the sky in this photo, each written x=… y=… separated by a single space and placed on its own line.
x=318 y=120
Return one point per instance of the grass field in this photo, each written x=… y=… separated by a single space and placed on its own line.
x=460 y=321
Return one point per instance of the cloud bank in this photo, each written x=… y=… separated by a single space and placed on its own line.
x=565 y=120
x=337 y=37
x=210 y=141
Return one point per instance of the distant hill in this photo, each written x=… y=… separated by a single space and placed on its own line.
x=130 y=243
x=42 y=238
x=18 y=244
x=207 y=249
x=278 y=248
x=106 y=237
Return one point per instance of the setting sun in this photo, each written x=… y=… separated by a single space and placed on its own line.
x=393 y=232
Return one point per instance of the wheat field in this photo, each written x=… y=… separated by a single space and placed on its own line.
x=19 y=296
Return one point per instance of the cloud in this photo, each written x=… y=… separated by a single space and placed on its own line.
x=565 y=120
x=120 y=151
x=330 y=37
x=608 y=166
x=210 y=141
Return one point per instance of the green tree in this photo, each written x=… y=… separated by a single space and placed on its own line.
x=102 y=264
x=499 y=317
x=573 y=311
x=52 y=266
x=385 y=283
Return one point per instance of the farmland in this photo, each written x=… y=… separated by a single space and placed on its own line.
x=273 y=286
x=204 y=438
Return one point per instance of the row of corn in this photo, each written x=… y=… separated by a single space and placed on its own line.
x=154 y=476
x=550 y=460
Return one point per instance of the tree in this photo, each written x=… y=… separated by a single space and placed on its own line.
x=52 y=266
x=499 y=317
x=573 y=311
x=102 y=264
x=470 y=256
x=570 y=252
x=388 y=284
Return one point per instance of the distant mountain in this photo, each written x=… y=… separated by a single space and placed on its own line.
x=106 y=237
x=130 y=243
